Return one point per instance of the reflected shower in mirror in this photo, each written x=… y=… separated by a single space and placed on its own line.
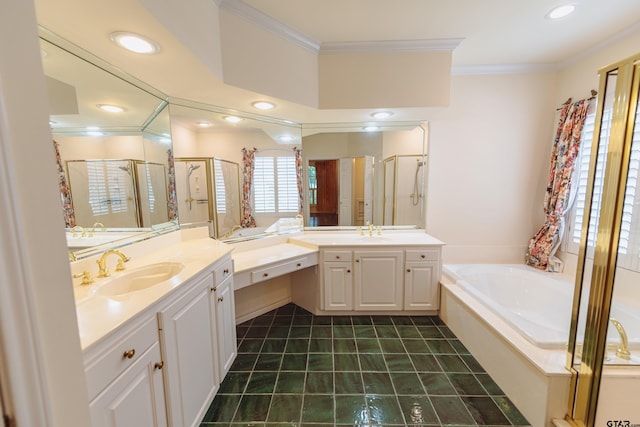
x=348 y=183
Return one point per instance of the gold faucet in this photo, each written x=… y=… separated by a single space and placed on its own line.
x=93 y=229
x=77 y=229
x=102 y=262
x=87 y=279
x=623 y=349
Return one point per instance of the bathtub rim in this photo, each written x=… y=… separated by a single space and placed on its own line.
x=551 y=362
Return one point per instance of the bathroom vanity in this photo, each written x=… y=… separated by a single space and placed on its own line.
x=159 y=336
x=353 y=273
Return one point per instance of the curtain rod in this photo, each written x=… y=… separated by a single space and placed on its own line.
x=594 y=94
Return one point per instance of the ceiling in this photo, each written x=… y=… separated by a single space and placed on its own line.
x=495 y=35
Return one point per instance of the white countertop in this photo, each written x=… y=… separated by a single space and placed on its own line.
x=353 y=238
x=100 y=315
x=248 y=259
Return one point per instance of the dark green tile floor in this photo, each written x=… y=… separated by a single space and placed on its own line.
x=296 y=369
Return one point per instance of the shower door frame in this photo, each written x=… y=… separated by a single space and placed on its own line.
x=586 y=377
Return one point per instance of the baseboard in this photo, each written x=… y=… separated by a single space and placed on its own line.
x=262 y=310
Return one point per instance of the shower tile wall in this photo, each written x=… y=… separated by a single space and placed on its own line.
x=296 y=369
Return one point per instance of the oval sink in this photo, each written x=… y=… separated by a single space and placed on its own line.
x=139 y=279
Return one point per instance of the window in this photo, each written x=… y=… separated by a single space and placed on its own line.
x=313 y=186
x=221 y=192
x=275 y=185
x=107 y=192
x=629 y=243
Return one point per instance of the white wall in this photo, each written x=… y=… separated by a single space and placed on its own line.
x=488 y=160
x=39 y=337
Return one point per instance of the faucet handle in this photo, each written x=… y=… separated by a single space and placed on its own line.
x=120 y=266
x=87 y=279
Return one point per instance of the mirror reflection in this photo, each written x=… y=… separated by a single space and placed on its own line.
x=113 y=150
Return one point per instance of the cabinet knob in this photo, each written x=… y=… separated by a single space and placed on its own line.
x=408 y=270
x=298 y=265
x=159 y=365
x=225 y=271
x=220 y=299
x=129 y=353
x=337 y=256
x=265 y=275
x=213 y=289
x=423 y=256
x=357 y=260
x=348 y=271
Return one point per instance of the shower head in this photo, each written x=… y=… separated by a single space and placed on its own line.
x=192 y=167
x=125 y=168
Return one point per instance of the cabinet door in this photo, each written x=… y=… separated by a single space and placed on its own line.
x=378 y=280
x=337 y=284
x=135 y=398
x=421 y=286
x=191 y=365
x=223 y=304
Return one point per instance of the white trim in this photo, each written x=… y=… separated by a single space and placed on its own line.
x=390 y=46
x=26 y=396
x=266 y=22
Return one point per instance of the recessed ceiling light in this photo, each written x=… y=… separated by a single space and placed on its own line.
x=371 y=128
x=263 y=105
x=559 y=12
x=382 y=114
x=204 y=124
x=111 y=108
x=233 y=119
x=135 y=43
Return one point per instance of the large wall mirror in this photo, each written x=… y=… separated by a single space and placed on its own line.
x=113 y=146
x=358 y=174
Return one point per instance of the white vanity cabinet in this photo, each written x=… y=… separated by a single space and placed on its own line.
x=189 y=340
x=124 y=378
x=385 y=278
x=378 y=284
x=422 y=273
x=337 y=279
x=223 y=317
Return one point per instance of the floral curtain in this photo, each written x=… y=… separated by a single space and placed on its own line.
x=248 y=166
x=65 y=190
x=298 y=155
x=172 y=197
x=566 y=146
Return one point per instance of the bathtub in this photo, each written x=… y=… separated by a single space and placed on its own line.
x=515 y=321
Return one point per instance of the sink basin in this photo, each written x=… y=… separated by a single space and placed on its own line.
x=139 y=279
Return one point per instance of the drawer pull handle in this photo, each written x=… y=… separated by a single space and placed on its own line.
x=159 y=365
x=265 y=275
x=423 y=256
x=129 y=353
x=220 y=299
x=213 y=289
x=225 y=271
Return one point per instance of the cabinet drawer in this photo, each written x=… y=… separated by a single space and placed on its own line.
x=279 y=269
x=119 y=355
x=337 y=255
x=423 y=255
x=223 y=271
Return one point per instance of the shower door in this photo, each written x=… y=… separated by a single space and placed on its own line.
x=605 y=327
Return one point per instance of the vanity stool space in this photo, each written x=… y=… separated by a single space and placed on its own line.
x=156 y=357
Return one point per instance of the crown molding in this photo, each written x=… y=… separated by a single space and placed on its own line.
x=266 y=22
x=476 y=70
x=390 y=46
